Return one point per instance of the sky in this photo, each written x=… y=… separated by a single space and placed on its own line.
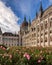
x=12 y=12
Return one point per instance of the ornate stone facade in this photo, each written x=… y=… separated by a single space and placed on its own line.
x=9 y=39
x=35 y=33
x=39 y=33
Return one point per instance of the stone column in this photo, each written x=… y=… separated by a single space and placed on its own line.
x=39 y=33
x=1 y=39
x=48 y=32
x=44 y=33
x=36 y=36
x=20 y=39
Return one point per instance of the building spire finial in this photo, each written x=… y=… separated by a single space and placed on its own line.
x=36 y=14
x=29 y=23
x=24 y=18
x=41 y=8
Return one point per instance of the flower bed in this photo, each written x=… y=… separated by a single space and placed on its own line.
x=26 y=56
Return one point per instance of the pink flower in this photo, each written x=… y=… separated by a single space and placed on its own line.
x=39 y=61
x=10 y=56
x=1 y=46
x=27 y=56
x=41 y=58
x=4 y=48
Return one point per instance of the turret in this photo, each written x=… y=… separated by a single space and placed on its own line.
x=41 y=10
x=24 y=18
x=36 y=14
x=29 y=24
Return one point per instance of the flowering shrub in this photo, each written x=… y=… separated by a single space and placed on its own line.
x=2 y=49
x=25 y=56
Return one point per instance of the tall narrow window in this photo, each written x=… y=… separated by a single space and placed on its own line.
x=41 y=26
x=46 y=24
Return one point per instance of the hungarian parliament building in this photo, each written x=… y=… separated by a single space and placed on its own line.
x=35 y=33
x=39 y=31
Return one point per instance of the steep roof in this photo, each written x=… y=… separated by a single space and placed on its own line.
x=49 y=9
x=25 y=23
x=9 y=34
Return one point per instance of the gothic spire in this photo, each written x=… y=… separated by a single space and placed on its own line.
x=29 y=21
x=36 y=14
x=41 y=8
x=24 y=18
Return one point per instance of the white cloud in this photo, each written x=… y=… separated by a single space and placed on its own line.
x=50 y=1
x=8 y=20
x=40 y=0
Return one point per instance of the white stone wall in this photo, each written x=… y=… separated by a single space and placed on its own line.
x=10 y=40
x=41 y=35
